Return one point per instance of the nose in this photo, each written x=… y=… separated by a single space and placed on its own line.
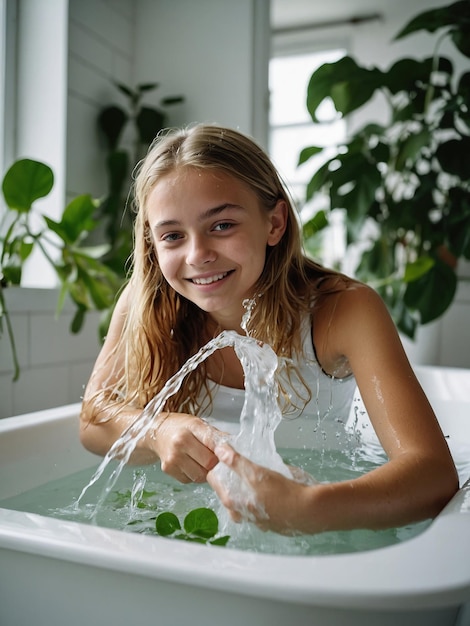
x=200 y=251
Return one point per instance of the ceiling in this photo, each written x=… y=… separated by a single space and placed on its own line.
x=286 y=13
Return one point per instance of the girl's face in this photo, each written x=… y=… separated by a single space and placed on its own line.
x=210 y=236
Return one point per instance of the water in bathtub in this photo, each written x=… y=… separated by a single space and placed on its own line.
x=132 y=500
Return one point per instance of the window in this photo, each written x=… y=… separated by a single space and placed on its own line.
x=292 y=129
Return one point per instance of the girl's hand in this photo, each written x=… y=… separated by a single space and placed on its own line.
x=185 y=444
x=278 y=502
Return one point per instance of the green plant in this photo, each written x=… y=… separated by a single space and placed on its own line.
x=200 y=525
x=404 y=184
x=81 y=274
x=145 y=123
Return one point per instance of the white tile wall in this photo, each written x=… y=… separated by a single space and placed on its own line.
x=101 y=50
x=54 y=364
x=455 y=333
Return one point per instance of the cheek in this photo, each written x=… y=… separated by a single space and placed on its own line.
x=170 y=267
x=166 y=265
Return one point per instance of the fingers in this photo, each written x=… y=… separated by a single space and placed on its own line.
x=226 y=454
x=239 y=505
x=183 y=448
x=185 y=470
x=187 y=459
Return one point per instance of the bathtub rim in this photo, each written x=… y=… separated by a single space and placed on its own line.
x=380 y=579
x=402 y=576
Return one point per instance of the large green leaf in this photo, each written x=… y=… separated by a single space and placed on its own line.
x=318 y=180
x=78 y=320
x=308 y=153
x=26 y=181
x=111 y=121
x=117 y=163
x=406 y=323
x=76 y=219
x=418 y=268
x=407 y=75
x=410 y=148
x=149 y=122
x=459 y=222
x=315 y=224
x=453 y=157
x=453 y=15
x=12 y=270
x=345 y=82
x=354 y=185
x=360 y=201
x=464 y=95
x=377 y=261
x=432 y=293
x=461 y=40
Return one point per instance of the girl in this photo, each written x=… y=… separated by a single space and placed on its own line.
x=214 y=227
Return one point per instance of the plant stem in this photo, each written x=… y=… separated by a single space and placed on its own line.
x=45 y=253
x=11 y=336
x=435 y=61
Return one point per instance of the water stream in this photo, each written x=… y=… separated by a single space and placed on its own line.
x=259 y=418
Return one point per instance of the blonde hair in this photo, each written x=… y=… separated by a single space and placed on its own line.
x=163 y=329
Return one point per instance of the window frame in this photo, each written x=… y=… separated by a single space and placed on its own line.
x=297 y=43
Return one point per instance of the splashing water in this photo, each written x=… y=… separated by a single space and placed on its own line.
x=258 y=420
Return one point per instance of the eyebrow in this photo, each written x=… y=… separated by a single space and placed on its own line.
x=204 y=216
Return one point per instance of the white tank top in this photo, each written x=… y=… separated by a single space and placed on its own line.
x=319 y=421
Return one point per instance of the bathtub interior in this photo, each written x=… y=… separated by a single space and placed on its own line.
x=39 y=447
x=43 y=446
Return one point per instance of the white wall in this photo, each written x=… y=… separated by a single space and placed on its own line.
x=101 y=50
x=215 y=52
x=55 y=365
x=184 y=46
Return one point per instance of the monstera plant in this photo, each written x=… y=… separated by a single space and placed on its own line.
x=404 y=183
x=81 y=274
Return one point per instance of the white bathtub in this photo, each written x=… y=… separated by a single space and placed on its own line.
x=58 y=573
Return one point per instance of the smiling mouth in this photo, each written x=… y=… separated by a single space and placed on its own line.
x=209 y=279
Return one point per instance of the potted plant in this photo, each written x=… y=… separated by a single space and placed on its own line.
x=144 y=123
x=81 y=274
x=405 y=183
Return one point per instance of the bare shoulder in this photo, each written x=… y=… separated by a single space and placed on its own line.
x=349 y=323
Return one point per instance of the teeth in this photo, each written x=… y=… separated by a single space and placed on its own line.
x=209 y=279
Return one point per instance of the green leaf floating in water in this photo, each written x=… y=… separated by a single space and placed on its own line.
x=200 y=526
x=167 y=523
x=202 y=523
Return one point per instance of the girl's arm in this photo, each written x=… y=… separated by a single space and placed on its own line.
x=183 y=443
x=419 y=477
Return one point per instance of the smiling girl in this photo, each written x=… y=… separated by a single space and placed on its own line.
x=214 y=227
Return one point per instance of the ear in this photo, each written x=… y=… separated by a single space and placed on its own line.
x=278 y=223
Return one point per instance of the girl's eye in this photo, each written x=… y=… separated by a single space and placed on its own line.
x=223 y=226
x=171 y=237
